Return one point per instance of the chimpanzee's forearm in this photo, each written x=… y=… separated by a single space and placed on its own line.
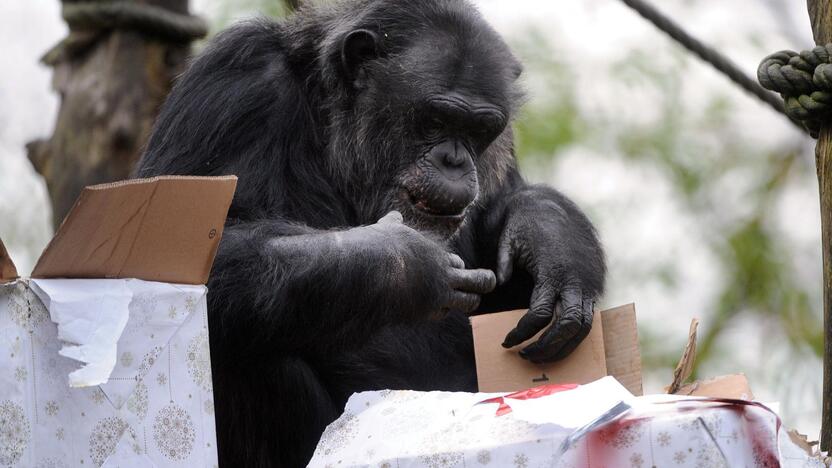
x=278 y=285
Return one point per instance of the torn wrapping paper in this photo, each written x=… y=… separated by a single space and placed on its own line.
x=142 y=350
x=90 y=314
x=571 y=407
x=440 y=429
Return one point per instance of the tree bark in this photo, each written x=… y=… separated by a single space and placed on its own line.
x=111 y=84
x=820 y=13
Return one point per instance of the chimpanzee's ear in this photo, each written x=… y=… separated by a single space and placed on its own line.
x=359 y=47
x=517 y=70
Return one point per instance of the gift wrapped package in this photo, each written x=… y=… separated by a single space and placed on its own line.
x=595 y=425
x=97 y=366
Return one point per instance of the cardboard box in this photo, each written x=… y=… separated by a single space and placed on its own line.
x=611 y=348
x=115 y=369
x=734 y=386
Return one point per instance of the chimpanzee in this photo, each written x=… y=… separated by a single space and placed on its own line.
x=379 y=204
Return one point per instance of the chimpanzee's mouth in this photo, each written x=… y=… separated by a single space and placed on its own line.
x=424 y=207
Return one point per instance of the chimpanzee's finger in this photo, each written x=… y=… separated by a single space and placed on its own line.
x=569 y=330
x=472 y=281
x=505 y=259
x=393 y=217
x=456 y=261
x=540 y=314
x=463 y=301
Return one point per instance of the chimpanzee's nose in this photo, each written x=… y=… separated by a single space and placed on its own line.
x=455 y=158
x=452 y=159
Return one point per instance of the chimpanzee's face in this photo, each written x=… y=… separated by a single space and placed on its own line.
x=424 y=118
x=451 y=130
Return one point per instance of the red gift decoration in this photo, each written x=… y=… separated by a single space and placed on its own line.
x=530 y=394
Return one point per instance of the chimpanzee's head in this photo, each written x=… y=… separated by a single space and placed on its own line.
x=425 y=95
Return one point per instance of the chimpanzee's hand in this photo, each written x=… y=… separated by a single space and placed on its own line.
x=546 y=235
x=439 y=273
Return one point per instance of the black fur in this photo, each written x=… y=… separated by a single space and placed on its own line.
x=331 y=119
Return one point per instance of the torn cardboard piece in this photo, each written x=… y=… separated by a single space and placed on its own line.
x=163 y=229
x=611 y=348
x=802 y=441
x=8 y=272
x=685 y=367
x=734 y=387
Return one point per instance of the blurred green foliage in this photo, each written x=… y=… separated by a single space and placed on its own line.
x=551 y=122
x=696 y=153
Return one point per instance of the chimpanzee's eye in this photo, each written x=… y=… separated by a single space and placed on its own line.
x=434 y=126
x=484 y=131
x=489 y=127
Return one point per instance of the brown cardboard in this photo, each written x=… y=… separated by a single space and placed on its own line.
x=604 y=352
x=502 y=370
x=802 y=441
x=685 y=366
x=727 y=386
x=621 y=348
x=8 y=272
x=163 y=229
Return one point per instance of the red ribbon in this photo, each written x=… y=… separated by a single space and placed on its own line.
x=530 y=394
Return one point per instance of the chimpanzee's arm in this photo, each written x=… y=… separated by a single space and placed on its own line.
x=277 y=285
x=547 y=257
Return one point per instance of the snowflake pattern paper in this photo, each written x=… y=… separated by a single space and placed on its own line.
x=157 y=408
x=456 y=430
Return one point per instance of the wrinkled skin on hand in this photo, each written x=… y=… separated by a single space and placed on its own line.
x=460 y=289
x=545 y=235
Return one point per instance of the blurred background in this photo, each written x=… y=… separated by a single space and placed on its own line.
x=706 y=200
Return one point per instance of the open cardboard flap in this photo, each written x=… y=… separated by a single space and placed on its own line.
x=611 y=348
x=8 y=272
x=164 y=229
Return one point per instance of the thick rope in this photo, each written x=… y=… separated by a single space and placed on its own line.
x=720 y=62
x=144 y=18
x=805 y=82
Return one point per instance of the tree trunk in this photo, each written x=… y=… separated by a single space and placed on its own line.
x=112 y=76
x=820 y=12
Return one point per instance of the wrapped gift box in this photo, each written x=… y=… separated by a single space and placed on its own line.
x=596 y=425
x=111 y=370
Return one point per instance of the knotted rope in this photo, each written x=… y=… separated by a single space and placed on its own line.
x=804 y=80
x=710 y=55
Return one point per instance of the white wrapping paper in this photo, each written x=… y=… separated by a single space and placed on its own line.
x=147 y=345
x=90 y=314
x=397 y=429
